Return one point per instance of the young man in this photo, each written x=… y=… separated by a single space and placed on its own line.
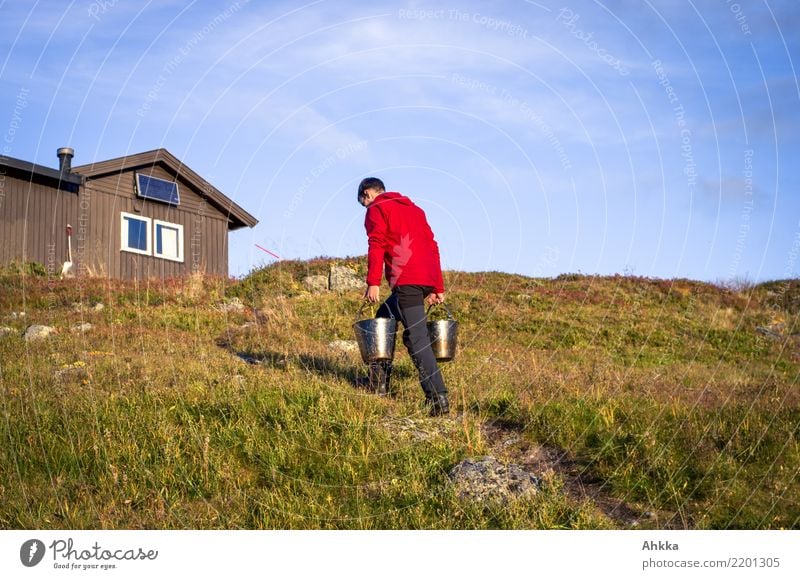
x=401 y=239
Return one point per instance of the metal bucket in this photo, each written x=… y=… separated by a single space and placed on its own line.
x=375 y=337
x=444 y=336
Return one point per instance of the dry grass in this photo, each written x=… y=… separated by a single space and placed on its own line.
x=658 y=395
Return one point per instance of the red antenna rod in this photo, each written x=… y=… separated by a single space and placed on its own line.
x=268 y=251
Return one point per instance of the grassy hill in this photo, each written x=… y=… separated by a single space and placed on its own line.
x=640 y=403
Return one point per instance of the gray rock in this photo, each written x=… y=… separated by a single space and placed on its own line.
x=316 y=283
x=769 y=332
x=344 y=345
x=231 y=305
x=76 y=370
x=38 y=332
x=84 y=327
x=408 y=427
x=488 y=480
x=248 y=358
x=344 y=279
x=5 y=330
x=98 y=306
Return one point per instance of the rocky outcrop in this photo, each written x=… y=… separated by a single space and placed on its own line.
x=487 y=479
x=339 y=279
x=38 y=332
x=343 y=279
x=316 y=283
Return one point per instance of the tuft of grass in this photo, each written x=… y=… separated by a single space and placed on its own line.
x=23 y=268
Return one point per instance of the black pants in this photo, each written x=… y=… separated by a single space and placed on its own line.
x=407 y=304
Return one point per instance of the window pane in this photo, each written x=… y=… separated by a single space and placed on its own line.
x=137 y=234
x=167 y=241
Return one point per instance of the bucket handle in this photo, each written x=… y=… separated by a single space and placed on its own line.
x=449 y=315
x=358 y=315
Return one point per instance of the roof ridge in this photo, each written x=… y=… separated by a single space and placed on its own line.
x=129 y=162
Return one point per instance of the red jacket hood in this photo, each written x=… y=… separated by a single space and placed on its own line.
x=400 y=198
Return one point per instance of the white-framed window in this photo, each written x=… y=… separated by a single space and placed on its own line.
x=148 y=236
x=135 y=233
x=168 y=240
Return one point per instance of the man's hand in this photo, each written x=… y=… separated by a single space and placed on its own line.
x=373 y=294
x=435 y=298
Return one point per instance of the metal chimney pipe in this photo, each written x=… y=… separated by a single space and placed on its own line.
x=65 y=155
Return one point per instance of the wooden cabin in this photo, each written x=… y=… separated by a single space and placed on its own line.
x=143 y=215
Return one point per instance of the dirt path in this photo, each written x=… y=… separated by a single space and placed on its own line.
x=580 y=484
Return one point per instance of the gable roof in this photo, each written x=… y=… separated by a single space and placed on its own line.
x=237 y=217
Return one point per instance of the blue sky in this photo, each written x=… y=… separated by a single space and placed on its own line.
x=654 y=138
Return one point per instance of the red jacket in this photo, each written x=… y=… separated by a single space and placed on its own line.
x=400 y=237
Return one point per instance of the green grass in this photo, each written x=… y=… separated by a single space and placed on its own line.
x=660 y=391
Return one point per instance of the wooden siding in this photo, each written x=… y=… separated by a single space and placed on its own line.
x=205 y=231
x=33 y=218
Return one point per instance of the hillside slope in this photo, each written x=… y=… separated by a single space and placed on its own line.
x=640 y=403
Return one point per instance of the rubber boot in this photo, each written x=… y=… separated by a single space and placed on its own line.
x=437 y=404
